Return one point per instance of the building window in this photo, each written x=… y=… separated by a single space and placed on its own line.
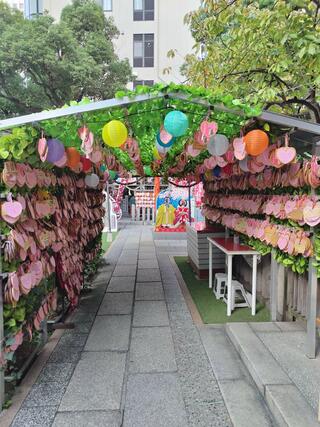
x=105 y=4
x=33 y=8
x=143 y=10
x=142 y=83
x=143 y=50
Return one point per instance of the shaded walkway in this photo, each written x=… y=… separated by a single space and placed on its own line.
x=135 y=357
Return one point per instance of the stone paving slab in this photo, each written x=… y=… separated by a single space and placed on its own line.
x=148 y=275
x=88 y=419
x=81 y=316
x=121 y=284
x=152 y=350
x=45 y=394
x=152 y=291
x=244 y=404
x=288 y=348
x=79 y=328
x=148 y=263
x=35 y=417
x=223 y=357
x=125 y=270
x=73 y=339
x=150 y=313
x=63 y=354
x=56 y=372
x=154 y=400
x=96 y=383
x=109 y=333
x=127 y=260
x=116 y=303
x=147 y=255
x=289 y=407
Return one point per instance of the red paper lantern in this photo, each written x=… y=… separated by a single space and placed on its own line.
x=86 y=164
x=73 y=157
x=256 y=142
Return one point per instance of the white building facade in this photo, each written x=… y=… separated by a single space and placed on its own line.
x=149 y=29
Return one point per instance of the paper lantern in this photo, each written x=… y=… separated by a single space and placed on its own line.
x=103 y=168
x=176 y=123
x=164 y=143
x=73 y=157
x=216 y=171
x=86 y=164
x=218 y=145
x=114 y=133
x=156 y=154
x=62 y=162
x=55 y=150
x=92 y=180
x=256 y=142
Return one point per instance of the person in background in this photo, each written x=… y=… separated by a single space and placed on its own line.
x=132 y=206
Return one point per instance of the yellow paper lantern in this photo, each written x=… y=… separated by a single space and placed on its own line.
x=156 y=154
x=114 y=133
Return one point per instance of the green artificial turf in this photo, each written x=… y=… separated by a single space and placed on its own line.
x=105 y=244
x=212 y=310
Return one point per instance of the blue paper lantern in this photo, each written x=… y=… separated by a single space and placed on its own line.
x=176 y=123
x=216 y=171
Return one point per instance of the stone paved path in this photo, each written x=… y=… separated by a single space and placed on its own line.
x=135 y=358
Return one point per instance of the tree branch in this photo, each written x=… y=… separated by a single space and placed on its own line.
x=314 y=108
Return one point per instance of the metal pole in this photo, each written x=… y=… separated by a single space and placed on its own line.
x=312 y=298
x=109 y=216
x=2 y=381
x=189 y=201
x=273 y=287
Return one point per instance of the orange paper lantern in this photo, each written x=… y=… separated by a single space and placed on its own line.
x=256 y=142
x=73 y=157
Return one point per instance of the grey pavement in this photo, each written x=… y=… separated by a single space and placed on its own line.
x=135 y=357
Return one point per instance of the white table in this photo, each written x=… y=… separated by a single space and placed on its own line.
x=228 y=246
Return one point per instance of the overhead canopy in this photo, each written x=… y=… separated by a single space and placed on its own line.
x=143 y=112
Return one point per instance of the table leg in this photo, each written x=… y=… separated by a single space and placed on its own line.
x=254 y=285
x=210 y=265
x=229 y=290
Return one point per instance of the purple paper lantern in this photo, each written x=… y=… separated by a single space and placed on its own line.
x=55 y=150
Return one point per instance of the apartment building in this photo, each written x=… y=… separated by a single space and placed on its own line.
x=148 y=30
x=16 y=4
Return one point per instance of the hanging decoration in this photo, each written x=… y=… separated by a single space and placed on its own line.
x=286 y=154
x=218 y=145
x=86 y=164
x=114 y=133
x=54 y=150
x=92 y=180
x=87 y=139
x=256 y=142
x=73 y=157
x=176 y=123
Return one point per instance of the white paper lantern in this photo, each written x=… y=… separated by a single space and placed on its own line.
x=218 y=145
x=92 y=180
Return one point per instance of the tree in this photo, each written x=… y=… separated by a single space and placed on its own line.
x=265 y=52
x=44 y=64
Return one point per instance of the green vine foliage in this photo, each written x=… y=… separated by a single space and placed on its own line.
x=298 y=264
x=143 y=120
